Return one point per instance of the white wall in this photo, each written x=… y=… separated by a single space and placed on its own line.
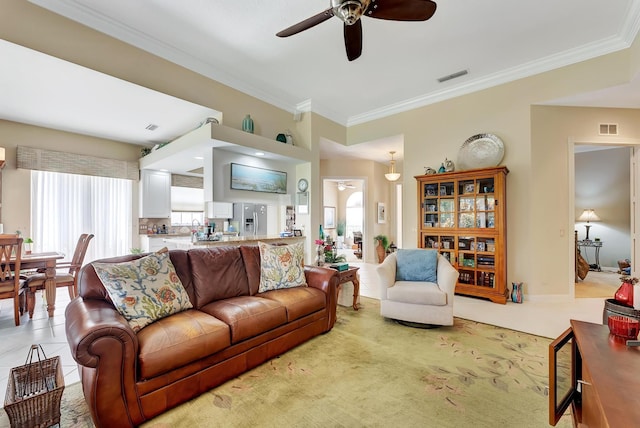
x=602 y=183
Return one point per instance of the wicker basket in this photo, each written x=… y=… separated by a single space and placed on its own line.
x=34 y=391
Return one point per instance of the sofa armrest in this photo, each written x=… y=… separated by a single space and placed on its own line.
x=447 y=278
x=386 y=274
x=325 y=279
x=88 y=321
x=106 y=350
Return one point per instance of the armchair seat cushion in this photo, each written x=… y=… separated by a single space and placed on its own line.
x=418 y=293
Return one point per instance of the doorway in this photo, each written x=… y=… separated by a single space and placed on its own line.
x=346 y=195
x=602 y=178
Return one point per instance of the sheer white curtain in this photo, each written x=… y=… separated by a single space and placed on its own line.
x=64 y=206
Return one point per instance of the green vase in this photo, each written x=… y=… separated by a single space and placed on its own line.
x=247 y=124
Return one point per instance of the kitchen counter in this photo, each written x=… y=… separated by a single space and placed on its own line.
x=185 y=244
x=164 y=235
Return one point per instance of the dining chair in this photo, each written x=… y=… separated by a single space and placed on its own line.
x=10 y=282
x=68 y=278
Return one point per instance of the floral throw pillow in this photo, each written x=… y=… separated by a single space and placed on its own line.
x=144 y=290
x=281 y=266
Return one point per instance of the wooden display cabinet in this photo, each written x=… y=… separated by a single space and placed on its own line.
x=463 y=215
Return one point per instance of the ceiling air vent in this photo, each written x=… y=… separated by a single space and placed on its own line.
x=453 y=76
x=152 y=127
x=608 y=129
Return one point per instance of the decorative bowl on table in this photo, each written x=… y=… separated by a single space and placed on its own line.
x=624 y=326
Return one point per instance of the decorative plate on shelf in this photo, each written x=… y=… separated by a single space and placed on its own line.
x=480 y=151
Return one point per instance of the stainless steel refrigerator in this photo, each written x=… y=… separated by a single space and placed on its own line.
x=251 y=218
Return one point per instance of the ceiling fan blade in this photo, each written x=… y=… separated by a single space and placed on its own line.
x=353 y=39
x=401 y=10
x=306 y=24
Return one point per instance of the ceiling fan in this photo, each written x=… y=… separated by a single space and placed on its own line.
x=342 y=186
x=350 y=11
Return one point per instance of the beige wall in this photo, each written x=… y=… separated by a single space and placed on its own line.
x=552 y=208
x=16 y=183
x=536 y=155
x=539 y=245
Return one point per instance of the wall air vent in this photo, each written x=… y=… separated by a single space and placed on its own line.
x=152 y=127
x=453 y=76
x=608 y=129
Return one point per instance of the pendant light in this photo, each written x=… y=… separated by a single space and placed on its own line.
x=392 y=175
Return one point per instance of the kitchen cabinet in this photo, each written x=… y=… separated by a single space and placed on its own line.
x=153 y=243
x=155 y=194
x=463 y=216
x=219 y=210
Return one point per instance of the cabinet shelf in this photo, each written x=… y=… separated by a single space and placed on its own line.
x=463 y=216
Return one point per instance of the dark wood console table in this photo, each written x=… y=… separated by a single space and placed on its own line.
x=350 y=274
x=603 y=386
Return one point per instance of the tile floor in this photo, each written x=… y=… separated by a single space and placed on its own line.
x=547 y=319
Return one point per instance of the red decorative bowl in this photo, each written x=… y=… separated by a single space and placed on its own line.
x=624 y=326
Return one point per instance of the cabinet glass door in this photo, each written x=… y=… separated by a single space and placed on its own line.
x=447 y=214
x=430 y=207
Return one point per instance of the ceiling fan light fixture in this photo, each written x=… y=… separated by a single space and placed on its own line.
x=392 y=175
x=349 y=11
x=341 y=186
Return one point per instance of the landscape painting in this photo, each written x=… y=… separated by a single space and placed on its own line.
x=244 y=177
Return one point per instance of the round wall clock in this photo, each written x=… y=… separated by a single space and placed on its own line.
x=303 y=185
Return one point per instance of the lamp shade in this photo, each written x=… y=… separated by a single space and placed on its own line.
x=588 y=215
x=392 y=175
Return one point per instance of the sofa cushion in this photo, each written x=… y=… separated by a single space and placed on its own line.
x=248 y=316
x=251 y=258
x=420 y=293
x=144 y=290
x=180 y=339
x=281 y=266
x=218 y=273
x=416 y=265
x=299 y=301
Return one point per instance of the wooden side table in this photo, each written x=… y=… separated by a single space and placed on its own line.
x=350 y=274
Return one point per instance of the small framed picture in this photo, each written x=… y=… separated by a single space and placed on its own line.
x=382 y=214
x=297 y=232
x=468 y=188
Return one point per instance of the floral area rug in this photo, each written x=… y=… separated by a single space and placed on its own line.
x=373 y=372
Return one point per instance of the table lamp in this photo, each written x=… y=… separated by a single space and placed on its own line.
x=588 y=216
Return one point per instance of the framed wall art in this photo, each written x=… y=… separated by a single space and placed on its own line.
x=329 y=217
x=244 y=177
x=382 y=213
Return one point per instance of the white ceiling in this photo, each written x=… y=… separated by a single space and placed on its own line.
x=234 y=43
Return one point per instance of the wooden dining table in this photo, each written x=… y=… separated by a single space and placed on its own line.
x=46 y=261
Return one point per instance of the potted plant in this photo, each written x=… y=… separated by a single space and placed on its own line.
x=27 y=245
x=382 y=243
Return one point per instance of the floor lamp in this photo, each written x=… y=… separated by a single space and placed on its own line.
x=588 y=216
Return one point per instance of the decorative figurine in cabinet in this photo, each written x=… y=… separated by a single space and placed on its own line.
x=463 y=216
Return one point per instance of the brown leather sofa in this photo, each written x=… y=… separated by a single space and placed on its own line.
x=129 y=378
